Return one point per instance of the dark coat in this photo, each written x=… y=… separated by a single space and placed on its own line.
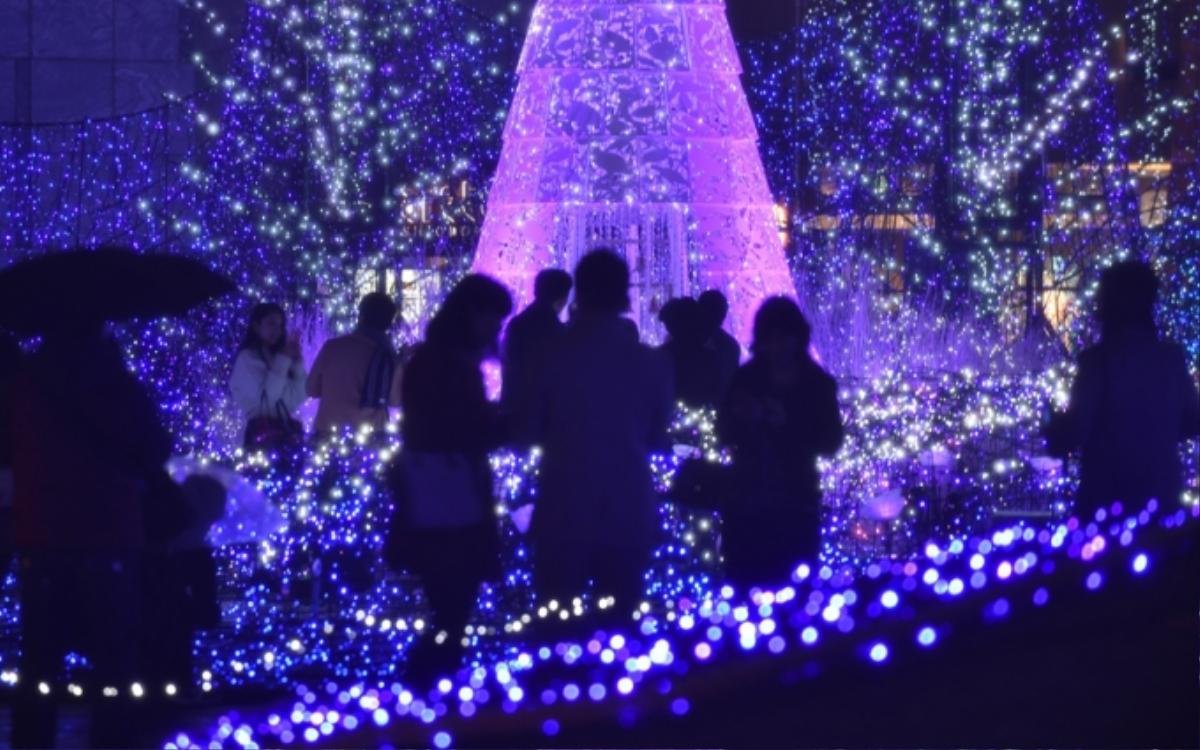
x=605 y=405
x=698 y=372
x=528 y=339
x=729 y=357
x=776 y=434
x=1132 y=402
x=446 y=410
x=87 y=438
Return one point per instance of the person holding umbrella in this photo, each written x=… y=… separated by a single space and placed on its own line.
x=90 y=492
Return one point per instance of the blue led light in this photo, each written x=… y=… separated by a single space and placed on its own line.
x=927 y=636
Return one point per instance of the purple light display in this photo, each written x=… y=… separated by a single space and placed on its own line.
x=630 y=129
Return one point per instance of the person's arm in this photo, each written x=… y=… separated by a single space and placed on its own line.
x=484 y=418
x=1068 y=430
x=827 y=429
x=246 y=382
x=313 y=384
x=740 y=417
x=285 y=382
x=663 y=404
x=397 y=383
x=1190 y=423
x=528 y=423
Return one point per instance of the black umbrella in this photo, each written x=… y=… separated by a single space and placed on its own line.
x=107 y=284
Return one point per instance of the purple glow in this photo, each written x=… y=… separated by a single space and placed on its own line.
x=682 y=192
x=1000 y=608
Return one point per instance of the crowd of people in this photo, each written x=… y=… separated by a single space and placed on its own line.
x=104 y=538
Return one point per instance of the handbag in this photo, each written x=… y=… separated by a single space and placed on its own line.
x=268 y=432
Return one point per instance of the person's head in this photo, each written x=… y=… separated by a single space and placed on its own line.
x=552 y=287
x=376 y=312
x=682 y=319
x=781 y=331
x=714 y=308
x=1128 y=293
x=602 y=283
x=266 y=330
x=471 y=316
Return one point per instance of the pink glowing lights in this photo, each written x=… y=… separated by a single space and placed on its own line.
x=630 y=128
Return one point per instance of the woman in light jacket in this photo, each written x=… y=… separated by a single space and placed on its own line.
x=268 y=374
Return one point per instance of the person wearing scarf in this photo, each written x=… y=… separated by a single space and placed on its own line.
x=355 y=377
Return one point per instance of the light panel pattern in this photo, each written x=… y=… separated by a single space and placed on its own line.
x=630 y=129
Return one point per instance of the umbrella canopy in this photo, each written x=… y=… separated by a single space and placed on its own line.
x=108 y=284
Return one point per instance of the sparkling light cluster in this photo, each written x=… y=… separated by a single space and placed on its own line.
x=991 y=157
x=878 y=612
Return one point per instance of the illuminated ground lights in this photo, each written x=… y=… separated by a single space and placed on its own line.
x=878 y=612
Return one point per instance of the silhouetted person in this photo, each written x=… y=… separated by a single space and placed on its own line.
x=268 y=377
x=530 y=335
x=714 y=308
x=357 y=376
x=10 y=363
x=781 y=413
x=1132 y=401
x=181 y=583
x=87 y=445
x=444 y=528
x=605 y=405
x=697 y=366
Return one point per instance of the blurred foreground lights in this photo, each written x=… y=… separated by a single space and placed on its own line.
x=927 y=636
x=879 y=653
x=1140 y=563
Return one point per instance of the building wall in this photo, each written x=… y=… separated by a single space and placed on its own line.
x=67 y=60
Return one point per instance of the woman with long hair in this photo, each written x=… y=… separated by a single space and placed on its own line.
x=781 y=413
x=268 y=377
x=444 y=528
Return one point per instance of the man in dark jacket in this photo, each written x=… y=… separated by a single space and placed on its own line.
x=530 y=334
x=1132 y=400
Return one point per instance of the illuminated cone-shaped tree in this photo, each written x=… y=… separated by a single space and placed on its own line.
x=630 y=129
